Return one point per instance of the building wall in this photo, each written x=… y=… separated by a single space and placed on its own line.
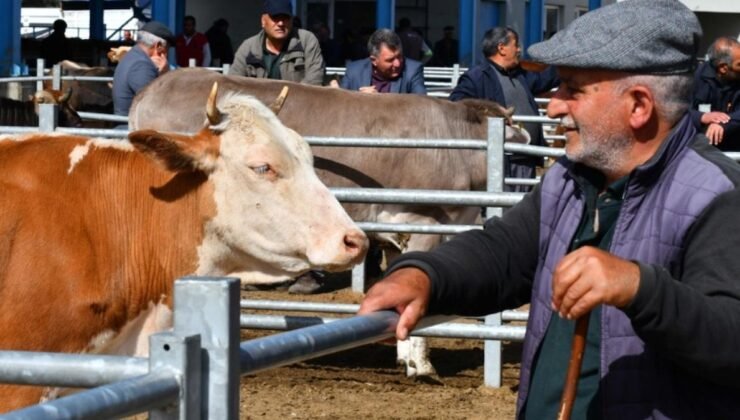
x=243 y=16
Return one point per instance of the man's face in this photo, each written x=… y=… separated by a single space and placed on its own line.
x=388 y=63
x=601 y=140
x=277 y=27
x=509 y=53
x=188 y=27
x=733 y=70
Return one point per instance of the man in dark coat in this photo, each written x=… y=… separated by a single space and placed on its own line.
x=716 y=102
x=500 y=79
x=630 y=233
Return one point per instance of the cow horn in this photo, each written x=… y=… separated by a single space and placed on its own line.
x=214 y=115
x=509 y=112
x=64 y=98
x=277 y=104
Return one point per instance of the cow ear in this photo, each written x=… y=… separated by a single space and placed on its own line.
x=179 y=153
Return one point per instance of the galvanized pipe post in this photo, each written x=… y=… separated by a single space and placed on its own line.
x=48 y=117
x=358 y=277
x=209 y=306
x=56 y=74
x=182 y=356
x=39 y=73
x=495 y=183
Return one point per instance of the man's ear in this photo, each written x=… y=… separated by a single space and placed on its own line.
x=722 y=69
x=177 y=152
x=642 y=106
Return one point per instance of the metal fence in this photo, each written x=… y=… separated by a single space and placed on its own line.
x=193 y=371
x=170 y=376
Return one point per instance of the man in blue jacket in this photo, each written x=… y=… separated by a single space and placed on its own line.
x=501 y=79
x=716 y=102
x=386 y=70
x=630 y=233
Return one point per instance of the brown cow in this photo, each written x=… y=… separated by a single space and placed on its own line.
x=25 y=113
x=318 y=111
x=87 y=96
x=93 y=232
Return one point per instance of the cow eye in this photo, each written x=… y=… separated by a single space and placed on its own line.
x=265 y=169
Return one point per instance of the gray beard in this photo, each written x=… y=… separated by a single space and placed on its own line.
x=605 y=152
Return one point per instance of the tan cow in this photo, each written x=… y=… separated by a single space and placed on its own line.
x=318 y=111
x=93 y=232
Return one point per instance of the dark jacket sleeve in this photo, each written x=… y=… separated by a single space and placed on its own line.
x=695 y=319
x=484 y=271
x=467 y=87
x=541 y=82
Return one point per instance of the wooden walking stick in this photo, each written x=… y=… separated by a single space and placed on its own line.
x=574 y=368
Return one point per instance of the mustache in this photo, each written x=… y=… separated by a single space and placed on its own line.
x=569 y=123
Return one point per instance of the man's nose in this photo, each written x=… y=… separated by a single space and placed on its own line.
x=557 y=107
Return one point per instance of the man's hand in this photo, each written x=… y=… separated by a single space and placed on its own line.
x=715 y=134
x=334 y=84
x=160 y=62
x=588 y=277
x=714 y=117
x=406 y=291
x=368 y=89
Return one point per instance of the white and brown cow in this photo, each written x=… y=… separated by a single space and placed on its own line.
x=320 y=111
x=94 y=232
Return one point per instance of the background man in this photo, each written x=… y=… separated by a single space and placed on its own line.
x=716 y=103
x=446 y=49
x=220 y=43
x=142 y=64
x=629 y=230
x=279 y=51
x=191 y=44
x=500 y=79
x=56 y=47
x=412 y=42
x=385 y=70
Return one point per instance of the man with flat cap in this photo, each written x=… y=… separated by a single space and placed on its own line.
x=280 y=51
x=142 y=64
x=631 y=230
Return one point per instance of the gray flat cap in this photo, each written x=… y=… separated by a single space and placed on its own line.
x=640 y=36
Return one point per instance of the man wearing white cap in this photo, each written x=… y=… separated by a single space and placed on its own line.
x=142 y=64
x=632 y=230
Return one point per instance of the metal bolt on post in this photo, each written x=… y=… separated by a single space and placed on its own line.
x=182 y=356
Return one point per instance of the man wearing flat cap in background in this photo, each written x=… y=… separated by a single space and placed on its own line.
x=280 y=51
x=631 y=230
x=716 y=102
x=142 y=64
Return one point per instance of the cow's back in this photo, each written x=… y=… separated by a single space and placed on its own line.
x=78 y=237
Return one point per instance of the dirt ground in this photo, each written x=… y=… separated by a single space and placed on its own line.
x=366 y=383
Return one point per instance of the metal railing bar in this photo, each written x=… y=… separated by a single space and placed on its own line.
x=318 y=340
x=68 y=370
x=102 y=117
x=406 y=143
x=342 y=308
x=411 y=228
x=446 y=330
x=114 y=400
x=404 y=196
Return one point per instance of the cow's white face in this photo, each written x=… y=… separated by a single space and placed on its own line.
x=274 y=218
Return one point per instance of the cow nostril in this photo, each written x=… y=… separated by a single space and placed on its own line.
x=355 y=241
